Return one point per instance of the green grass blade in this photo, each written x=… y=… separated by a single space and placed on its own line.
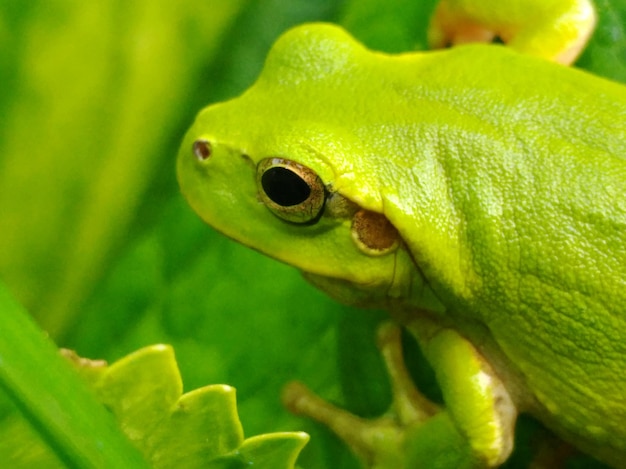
x=54 y=399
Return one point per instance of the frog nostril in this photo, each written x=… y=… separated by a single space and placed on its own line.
x=202 y=149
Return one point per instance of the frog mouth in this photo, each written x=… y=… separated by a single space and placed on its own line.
x=349 y=292
x=375 y=236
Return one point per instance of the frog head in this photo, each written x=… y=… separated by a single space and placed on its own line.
x=279 y=171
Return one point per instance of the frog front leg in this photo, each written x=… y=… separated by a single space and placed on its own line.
x=556 y=30
x=475 y=429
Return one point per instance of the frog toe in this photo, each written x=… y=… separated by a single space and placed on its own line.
x=384 y=442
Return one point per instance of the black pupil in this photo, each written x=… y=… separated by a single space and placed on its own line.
x=284 y=187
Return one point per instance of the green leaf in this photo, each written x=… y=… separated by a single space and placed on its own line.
x=143 y=391
x=198 y=429
x=205 y=420
x=52 y=397
x=277 y=450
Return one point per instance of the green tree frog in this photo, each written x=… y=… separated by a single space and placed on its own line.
x=478 y=193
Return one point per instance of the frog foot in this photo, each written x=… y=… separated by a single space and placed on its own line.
x=381 y=442
x=556 y=31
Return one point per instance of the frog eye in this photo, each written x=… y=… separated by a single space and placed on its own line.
x=291 y=191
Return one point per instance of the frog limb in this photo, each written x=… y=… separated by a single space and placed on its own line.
x=556 y=30
x=475 y=397
x=377 y=442
x=416 y=432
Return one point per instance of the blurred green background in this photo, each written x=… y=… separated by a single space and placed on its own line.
x=95 y=239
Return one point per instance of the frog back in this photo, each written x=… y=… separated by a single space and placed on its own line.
x=517 y=220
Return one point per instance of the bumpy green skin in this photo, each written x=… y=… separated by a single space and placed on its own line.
x=505 y=176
